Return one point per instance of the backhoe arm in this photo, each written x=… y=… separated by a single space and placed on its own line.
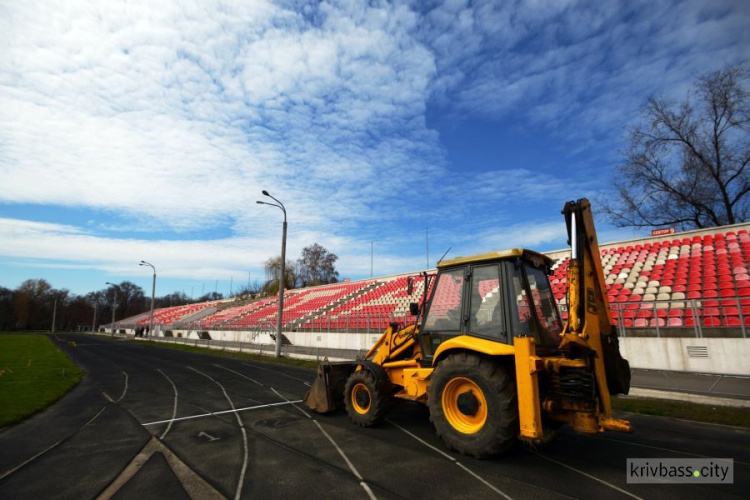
x=589 y=327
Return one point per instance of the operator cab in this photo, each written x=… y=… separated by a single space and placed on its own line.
x=487 y=296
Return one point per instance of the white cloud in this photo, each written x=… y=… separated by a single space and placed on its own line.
x=175 y=115
x=183 y=114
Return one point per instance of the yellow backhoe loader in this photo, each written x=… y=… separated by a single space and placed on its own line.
x=489 y=354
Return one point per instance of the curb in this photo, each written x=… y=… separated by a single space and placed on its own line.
x=687 y=397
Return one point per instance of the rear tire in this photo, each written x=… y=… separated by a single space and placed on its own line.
x=365 y=399
x=473 y=405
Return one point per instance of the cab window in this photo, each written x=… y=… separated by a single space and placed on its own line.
x=520 y=311
x=445 y=308
x=485 y=315
x=544 y=304
x=541 y=305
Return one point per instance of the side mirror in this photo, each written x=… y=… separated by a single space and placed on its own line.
x=410 y=285
x=414 y=309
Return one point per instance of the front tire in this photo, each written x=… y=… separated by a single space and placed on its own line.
x=365 y=399
x=473 y=405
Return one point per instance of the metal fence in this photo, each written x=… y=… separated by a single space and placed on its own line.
x=683 y=318
x=728 y=317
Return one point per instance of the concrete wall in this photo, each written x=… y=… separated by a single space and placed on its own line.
x=724 y=356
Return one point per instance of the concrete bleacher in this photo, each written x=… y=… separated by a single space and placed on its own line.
x=170 y=315
x=697 y=279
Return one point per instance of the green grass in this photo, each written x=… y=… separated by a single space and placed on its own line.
x=302 y=363
x=738 y=417
x=34 y=373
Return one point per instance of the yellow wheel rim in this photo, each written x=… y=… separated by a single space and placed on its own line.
x=464 y=405
x=361 y=399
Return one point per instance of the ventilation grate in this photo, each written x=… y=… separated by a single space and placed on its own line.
x=697 y=351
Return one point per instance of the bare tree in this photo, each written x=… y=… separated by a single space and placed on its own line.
x=248 y=290
x=686 y=165
x=210 y=296
x=29 y=296
x=317 y=266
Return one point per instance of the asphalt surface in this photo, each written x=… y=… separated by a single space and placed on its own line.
x=101 y=440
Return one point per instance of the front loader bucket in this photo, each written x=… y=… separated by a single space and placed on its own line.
x=327 y=392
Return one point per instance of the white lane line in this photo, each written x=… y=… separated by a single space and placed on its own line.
x=125 y=389
x=452 y=459
x=241 y=481
x=677 y=452
x=585 y=474
x=483 y=481
x=341 y=452
x=238 y=373
x=280 y=373
x=354 y=470
x=222 y=412
x=11 y=471
x=174 y=407
x=348 y=462
x=368 y=490
x=285 y=399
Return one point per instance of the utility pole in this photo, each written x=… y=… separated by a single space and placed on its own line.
x=54 y=316
x=427 y=240
x=282 y=276
x=372 y=243
x=93 y=323
x=231 y=285
x=114 y=305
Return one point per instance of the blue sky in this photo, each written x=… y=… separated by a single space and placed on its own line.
x=146 y=130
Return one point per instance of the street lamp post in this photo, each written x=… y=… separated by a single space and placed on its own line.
x=282 y=276
x=114 y=306
x=153 y=291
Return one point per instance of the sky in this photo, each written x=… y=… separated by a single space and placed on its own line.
x=145 y=130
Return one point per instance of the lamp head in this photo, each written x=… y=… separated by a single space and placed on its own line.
x=260 y=203
x=265 y=193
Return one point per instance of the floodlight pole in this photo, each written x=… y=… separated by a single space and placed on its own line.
x=114 y=306
x=280 y=316
x=153 y=292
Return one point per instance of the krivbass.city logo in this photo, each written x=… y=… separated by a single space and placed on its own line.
x=680 y=470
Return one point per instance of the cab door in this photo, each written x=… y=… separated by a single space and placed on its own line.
x=485 y=310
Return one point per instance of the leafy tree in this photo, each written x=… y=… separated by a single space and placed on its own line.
x=687 y=164
x=273 y=271
x=317 y=266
